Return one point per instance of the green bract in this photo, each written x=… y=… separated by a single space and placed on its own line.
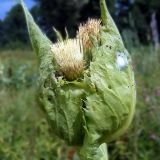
x=95 y=106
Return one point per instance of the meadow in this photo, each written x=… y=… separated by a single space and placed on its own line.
x=25 y=134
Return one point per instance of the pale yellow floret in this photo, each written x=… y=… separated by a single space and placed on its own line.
x=69 y=57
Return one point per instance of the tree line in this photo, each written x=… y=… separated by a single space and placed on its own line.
x=133 y=18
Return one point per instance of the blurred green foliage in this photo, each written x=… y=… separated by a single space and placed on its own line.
x=14 y=72
x=25 y=133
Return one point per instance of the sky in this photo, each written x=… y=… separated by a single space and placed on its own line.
x=6 y=5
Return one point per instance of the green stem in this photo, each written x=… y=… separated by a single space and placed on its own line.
x=102 y=153
x=92 y=149
x=94 y=152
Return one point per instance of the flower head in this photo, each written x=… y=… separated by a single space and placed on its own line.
x=87 y=30
x=69 y=57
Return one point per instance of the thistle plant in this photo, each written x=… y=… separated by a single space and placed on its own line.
x=86 y=85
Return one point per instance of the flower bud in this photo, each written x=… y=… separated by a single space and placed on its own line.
x=98 y=107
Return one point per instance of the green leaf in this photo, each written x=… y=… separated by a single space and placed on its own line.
x=40 y=42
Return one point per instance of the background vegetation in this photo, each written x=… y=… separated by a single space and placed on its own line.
x=24 y=132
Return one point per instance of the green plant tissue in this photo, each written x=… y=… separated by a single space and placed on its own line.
x=97 y=107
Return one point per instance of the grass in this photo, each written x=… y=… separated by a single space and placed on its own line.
x=25 y=134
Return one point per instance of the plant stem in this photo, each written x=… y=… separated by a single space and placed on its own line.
x=94 y=153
